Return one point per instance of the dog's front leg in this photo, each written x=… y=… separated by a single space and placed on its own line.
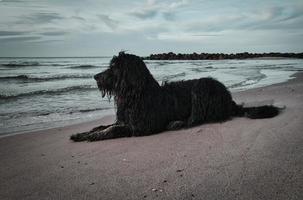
x=79 y=137
x=175 y=125
x=115 y=131
x=100 y=128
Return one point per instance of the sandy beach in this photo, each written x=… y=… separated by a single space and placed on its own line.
x=238 y=159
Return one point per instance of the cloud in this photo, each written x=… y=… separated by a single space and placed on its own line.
x=20 y=39
x=153 y=8
x=267 y=19
x=79 y=18
x=185 y=37
x=12 y=1
x=294 y=13
x=108 y=21
x=11 y=33
x=40 y=18
x=276 y=18
x=54 y=33
x=45 y=41
x=206 y=35
x=271 y=13
x=146 y=11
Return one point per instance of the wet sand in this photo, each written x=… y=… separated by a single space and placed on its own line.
x=237 y=159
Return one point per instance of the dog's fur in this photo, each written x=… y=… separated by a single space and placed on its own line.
x=144 y=107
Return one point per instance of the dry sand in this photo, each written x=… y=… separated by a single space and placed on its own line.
x=238 y=159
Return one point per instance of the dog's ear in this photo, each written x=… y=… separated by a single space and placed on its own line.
x=121 y=53
x=137 y=72
x=132 y=75
x=132 y=71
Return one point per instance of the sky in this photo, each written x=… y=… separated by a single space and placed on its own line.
x=104 y=27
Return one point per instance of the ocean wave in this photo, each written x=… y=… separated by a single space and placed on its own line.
x=197 y=70
x=21 y=64
x=49 y=92
x=26 y=78
x=162 y=63
x=18 y=77
x=90 y=110
x=169 y=77
x=41 y=113
x=249 y=81
x=289 y=64
x=18 y=114
x=83 y=67
x=55 y=65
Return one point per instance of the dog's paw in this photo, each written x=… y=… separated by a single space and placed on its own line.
x=99 y=128
x=79 y=137
x=175 y=125
x=96 y=136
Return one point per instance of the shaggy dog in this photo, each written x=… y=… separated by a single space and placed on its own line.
x=143 y=107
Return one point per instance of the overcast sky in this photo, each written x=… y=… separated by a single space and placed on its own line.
x=104 y=27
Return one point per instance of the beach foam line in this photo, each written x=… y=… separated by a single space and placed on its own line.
x=49 y=112
x=249 y=81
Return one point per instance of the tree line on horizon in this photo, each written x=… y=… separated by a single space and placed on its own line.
x=219 y=56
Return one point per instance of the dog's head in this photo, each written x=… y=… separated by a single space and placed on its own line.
x=125 y=73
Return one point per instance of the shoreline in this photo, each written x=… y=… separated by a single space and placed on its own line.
x=238 y=159
x=70 y=125
x=107 y=119
x=83 y=122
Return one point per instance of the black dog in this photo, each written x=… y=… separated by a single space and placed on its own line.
x=144 y=107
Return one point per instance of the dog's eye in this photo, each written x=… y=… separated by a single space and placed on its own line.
x=114 y=67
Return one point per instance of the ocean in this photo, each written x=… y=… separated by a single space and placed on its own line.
x=39 y=93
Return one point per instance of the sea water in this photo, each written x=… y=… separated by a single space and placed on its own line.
x=39 y=93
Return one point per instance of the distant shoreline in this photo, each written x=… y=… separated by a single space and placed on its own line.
x=186 y=56
x=222 y=56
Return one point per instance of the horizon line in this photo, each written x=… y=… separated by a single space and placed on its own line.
x=55 y=56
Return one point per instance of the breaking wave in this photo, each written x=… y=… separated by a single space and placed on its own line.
x=27 y=78
x=84 y=67
x=169 y=77
x=50 y=92
x=20 y=64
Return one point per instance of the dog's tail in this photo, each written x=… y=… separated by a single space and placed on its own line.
x=259 y=112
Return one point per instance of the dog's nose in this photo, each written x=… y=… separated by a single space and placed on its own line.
x=96 y=76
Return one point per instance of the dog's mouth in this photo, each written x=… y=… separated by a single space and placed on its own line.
x=105 y=83
x=105 y=91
